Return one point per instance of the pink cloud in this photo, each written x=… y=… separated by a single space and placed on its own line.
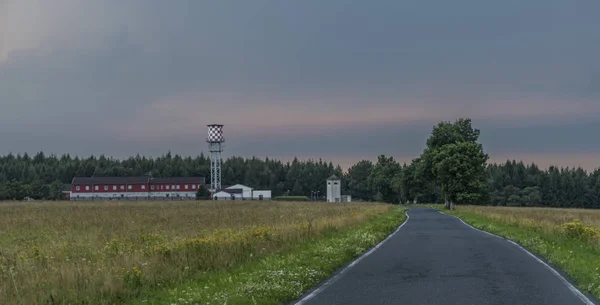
x=188 y=114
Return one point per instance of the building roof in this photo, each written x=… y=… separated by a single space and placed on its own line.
x=221 y=193
x=66 y=188
x=236 y=186
x=231 y=191
x=192 y=180
x=333 y=177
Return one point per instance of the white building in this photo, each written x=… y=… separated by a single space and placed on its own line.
x=229 y=194
x=334 y=189
x=241 y=192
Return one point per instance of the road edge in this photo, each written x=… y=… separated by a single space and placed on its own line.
x=583 y=297
x=338 y=274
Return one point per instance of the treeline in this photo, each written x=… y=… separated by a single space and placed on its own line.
x=21 y=175
x=452 y=168
x=516 y=184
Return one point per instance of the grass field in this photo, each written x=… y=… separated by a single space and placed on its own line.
x=115 y=252
x=569 y=239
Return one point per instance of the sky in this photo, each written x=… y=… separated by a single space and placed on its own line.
x=331 y=79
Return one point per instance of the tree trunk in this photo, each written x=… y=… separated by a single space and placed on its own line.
x=446 y=204
x=452 y=206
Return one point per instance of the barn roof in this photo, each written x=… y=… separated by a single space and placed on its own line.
x=231 y=191
x=192 y=180
x=333 y=177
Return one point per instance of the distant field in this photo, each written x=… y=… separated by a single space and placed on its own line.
x=106 y=252
x=544 y=218
x=547 y=218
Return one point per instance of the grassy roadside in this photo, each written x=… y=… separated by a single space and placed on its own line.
x=102 y=253
x=571 y=247
x=283 y=277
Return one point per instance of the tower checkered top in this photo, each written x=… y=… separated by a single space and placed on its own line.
x=215 y=139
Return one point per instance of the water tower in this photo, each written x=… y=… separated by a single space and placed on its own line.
x=215 y=140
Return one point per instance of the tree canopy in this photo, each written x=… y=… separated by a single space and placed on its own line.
x=459 y=169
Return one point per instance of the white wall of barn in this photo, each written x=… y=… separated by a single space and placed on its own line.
x=190 y=195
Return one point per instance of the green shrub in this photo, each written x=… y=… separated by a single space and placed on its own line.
x=576 y=229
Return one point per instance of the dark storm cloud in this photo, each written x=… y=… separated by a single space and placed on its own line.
x=311 y=78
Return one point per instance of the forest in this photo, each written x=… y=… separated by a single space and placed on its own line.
x=452 y=168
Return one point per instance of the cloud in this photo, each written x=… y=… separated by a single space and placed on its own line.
x=308 y=78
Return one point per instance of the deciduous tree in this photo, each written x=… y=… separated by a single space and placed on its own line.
x=460 y=171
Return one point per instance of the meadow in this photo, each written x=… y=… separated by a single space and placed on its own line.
x=113 y=252
x=569 y=239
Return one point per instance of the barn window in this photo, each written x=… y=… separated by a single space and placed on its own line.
x=177 y=186
x=167 y=187
x=185 y=186
x=129 y=187
x=77 y=187
x=106 y=187
x=96 y=187
x=114 y=187
x=122 y=187
x=152 y=187
x=143 y=187
x=335 y=183
x=193 y=186
x=173 y=186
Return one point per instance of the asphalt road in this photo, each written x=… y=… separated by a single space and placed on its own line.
x=437 y=259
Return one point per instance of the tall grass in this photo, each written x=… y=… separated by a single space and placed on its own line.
x=545 y=217
x=578 y=223
x=280 y=278
x=107 y=252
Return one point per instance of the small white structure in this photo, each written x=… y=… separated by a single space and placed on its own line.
x=228 y=194
x=241 y=192
x=346 y=198
x=261 y=195
x=221 y=195
x=334 y=189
